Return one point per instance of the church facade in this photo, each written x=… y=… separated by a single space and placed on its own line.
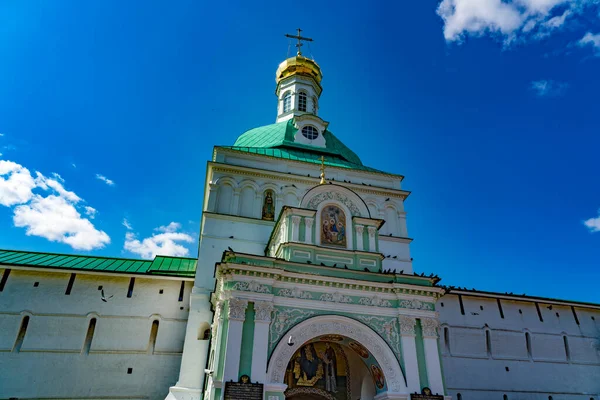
x=303 y=289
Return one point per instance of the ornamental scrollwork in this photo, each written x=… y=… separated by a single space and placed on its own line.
x=374 y=301
x=335 y=298
x=295 y=293
x=318 y=199
x=251 y=286
x=387 y=328
x=429 y=326
x=416 y=305
x=237 y=309
x=282 y=320
x=263 y=310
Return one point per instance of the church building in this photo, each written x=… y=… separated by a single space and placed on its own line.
x=303 y=289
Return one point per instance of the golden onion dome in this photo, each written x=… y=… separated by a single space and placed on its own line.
x=298 y=65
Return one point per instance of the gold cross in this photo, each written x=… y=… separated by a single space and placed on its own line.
x=300 y=38
x=322 y=171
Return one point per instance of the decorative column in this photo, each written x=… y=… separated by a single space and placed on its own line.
x=409 y=352
x=372 y=247
x=212 y=197
x=359 y=237
x=295 y=227
x=402 y=223
x=235 y=206
x=278 y=204
x=308 y=223
x=236 y=314
x=260 y=347
x=258 y=205
x=432 y=356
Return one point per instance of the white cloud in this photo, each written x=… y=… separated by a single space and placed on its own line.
x=1 y=134
x=166 y=243
x=105 y=179
x=16 y=184
x=56 y=219
x=510 y=20
x=590 y=39
x=0 y=154
x=126 y=224
x=549 y=88
x=593 y=224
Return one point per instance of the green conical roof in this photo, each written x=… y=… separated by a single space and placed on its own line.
x=277 y=140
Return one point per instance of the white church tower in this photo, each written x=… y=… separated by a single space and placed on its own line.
x=304 y=287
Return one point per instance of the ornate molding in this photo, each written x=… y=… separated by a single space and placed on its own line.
x=237 y=309
x=217 y=318
x=308 y=222
x=407 y=325
x=263 y=310
x=296 y=219
x=360 y=229
x=251 y=286
x=295 y=293
x=374 y=301
x=283 y=319
x=321 y=197
x=372 y=231
x=416 y=305
x=430 y=326
x=335 y=298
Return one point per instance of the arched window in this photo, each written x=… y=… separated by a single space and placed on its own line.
x=310 y=132
x=315 y=105
x=287 y=102
x=458 y=396
x=302 y=101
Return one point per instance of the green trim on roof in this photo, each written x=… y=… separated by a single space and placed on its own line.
x=161 y=265
x=281 y=136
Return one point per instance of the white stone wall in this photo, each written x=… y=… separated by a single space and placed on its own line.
x=53 y=359
x=487 y=355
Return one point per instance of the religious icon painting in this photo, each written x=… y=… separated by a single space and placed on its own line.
x=333 y=226
x=378 y=376
x=268 y=210
x=360 y=349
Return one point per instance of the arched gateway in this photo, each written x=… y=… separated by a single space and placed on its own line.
x=349 y=336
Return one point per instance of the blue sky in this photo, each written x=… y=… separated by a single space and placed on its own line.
x=109 y=111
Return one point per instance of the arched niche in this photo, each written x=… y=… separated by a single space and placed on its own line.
x=316 y=327
x=353 y=202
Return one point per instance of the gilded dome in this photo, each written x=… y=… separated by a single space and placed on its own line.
x=298 y=65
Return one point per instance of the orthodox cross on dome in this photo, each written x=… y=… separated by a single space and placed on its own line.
x=322 y=171
x=300 y=39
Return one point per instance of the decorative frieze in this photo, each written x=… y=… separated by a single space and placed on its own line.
x=295 y=293
x=318 y=199
x=335 y=298
x=430 y=326
x=374 y=301
x=251 y=286
x=407 y=325
x=416 y=305
x=262 y=311
x=237 y=309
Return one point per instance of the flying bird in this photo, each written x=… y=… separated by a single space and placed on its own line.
x=104 y=298
x=230 y=237
x=290 y=342
x=549 y=307
x=395 y=257
x=388 y=199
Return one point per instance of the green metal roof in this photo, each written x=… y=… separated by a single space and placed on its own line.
x=161 y=265
x=281 y=136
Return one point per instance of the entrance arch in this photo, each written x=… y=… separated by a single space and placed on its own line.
x=337 y=325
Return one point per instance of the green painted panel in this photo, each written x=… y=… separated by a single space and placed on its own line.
x=421 y=355
x=223 y=346
x=247 y=342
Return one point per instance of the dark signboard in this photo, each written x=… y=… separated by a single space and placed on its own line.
x=243 y=390
x=426 y=395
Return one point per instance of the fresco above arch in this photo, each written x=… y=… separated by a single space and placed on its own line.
x=321 y=197
x=333 y=226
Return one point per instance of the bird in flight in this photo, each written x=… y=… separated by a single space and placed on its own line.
x=104 y=298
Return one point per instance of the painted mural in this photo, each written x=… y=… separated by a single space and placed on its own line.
x=319 y=368
x=268 y=210
x=333 y=226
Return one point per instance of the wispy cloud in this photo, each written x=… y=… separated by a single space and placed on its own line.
x=590 y=39
x=1 y=134
x=126 y=224
x=104 y=179
x=593 y=224
x=509 y=20
x=167 y=242
x=549 y=88
x=53 y=214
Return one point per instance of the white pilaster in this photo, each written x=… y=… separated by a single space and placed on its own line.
x=359 y=237
x=308 y=222
x=278 y=204
x=258 y=205
x=409 y=352
x=262 y=320
x=212 y=197
x=235 y=207
x=372 y=231
x=237 y=314
x=295 y=228
x=432 y=357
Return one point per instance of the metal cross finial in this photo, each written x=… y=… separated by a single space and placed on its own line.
x=300 y=39
x=322 y=171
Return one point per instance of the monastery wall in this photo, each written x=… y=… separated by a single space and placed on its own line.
x=523 y=350
x=61 y=343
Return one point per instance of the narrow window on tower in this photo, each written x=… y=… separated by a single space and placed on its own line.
x=488 y=343
x=89 y=336
x=567 y=352
x=153 y=334
x=5 y=275
x=287 y=102
x=302 y=101
x=447 y=339
x=21 y=334
x=528 y=343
